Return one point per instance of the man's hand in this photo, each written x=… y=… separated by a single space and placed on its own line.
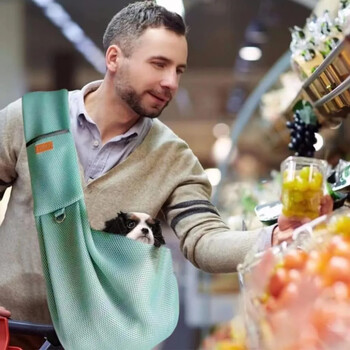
x=4 y=312
x=326 y=205
x=286 y=225
x=279 y=236
x=291 y=222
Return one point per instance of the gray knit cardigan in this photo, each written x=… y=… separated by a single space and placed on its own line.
x=161 y=176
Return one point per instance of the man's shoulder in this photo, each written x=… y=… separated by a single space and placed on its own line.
x=171 y=145
x=15 y=106
x=11 y=125
x=12 y=113
x=166 y=134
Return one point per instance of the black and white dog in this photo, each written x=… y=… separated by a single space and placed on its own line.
x=139 y=226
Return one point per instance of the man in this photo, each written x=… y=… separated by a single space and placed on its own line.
x=130 y=161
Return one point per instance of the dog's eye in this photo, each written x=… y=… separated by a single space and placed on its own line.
x=131 y=224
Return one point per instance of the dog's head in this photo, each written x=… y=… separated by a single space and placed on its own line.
x=139 y=226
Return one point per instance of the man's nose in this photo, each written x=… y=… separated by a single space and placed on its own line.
x=144 y=230
x=171 y=81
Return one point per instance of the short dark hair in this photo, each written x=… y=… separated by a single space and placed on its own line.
x=130 y=23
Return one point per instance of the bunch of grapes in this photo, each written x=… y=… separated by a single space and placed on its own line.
x=302 y=136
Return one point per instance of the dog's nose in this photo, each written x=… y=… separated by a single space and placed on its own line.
x=144 y=230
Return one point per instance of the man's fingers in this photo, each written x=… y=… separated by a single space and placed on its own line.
x=4 y=312
x=326 y=204
x=287 y=223
x=279 y=236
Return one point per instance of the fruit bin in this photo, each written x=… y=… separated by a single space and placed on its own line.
x=298 y=296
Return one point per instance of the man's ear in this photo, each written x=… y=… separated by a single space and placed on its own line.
x=113 y=56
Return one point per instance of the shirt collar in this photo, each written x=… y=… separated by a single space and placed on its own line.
x=81 y=105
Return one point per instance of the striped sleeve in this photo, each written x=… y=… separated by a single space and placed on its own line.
x=192 y=207
x=205 y=239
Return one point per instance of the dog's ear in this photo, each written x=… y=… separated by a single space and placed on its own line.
x=123 y=216
x=117 y=225
x=157 y=233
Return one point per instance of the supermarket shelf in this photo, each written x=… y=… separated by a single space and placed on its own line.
x=327 y=89
x=330 y=58
x=336 y=92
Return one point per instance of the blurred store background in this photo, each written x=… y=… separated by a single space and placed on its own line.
x=47 y=44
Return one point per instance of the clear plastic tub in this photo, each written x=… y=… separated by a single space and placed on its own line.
x=303 y=186
x=297 y=296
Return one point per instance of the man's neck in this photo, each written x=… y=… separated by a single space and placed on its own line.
x=109 y=113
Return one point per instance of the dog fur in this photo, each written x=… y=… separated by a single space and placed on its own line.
x=138 y=226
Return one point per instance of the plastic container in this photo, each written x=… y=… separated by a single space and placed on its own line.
x=297 y=296
x=335 y=223
x=303 y=186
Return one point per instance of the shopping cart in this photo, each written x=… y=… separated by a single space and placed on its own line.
x=8 y=326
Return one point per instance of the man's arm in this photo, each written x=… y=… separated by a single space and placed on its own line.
x=8 y=155
x=7 y=162
x=205 y=239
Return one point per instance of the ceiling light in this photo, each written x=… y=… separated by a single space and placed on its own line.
x=250 y=53
x=221 y=130
x=319 y=142
x=221 y=148
x=58 y=15
x=214 y=176
x=173 y=6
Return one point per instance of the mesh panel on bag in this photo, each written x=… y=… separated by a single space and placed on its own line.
x=108 y=290
x=104 y=291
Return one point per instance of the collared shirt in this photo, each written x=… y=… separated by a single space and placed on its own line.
x=96 y=158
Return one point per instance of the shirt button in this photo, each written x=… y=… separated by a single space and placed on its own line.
x=95 y=143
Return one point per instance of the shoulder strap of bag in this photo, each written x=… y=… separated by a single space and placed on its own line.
x=104 y=291
x=52 y=157
x=53 y=105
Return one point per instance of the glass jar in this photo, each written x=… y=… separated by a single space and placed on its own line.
x=303 y=186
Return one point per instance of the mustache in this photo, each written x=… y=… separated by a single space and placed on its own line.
x=163 y=93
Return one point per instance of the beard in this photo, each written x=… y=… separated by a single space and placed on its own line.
x=134 y=99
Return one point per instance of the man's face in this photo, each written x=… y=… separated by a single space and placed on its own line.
x=148 y=79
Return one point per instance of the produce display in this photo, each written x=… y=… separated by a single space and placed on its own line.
x=303 y=129
x=311 y=44
x=239 y=200
x=226 y=336
x=299 y=296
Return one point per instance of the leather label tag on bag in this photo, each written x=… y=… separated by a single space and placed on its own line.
x=44 y=147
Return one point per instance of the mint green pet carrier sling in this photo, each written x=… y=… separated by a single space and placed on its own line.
x=105 y=291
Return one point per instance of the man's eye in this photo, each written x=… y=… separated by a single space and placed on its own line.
x=131 y=224
x=159 y=64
